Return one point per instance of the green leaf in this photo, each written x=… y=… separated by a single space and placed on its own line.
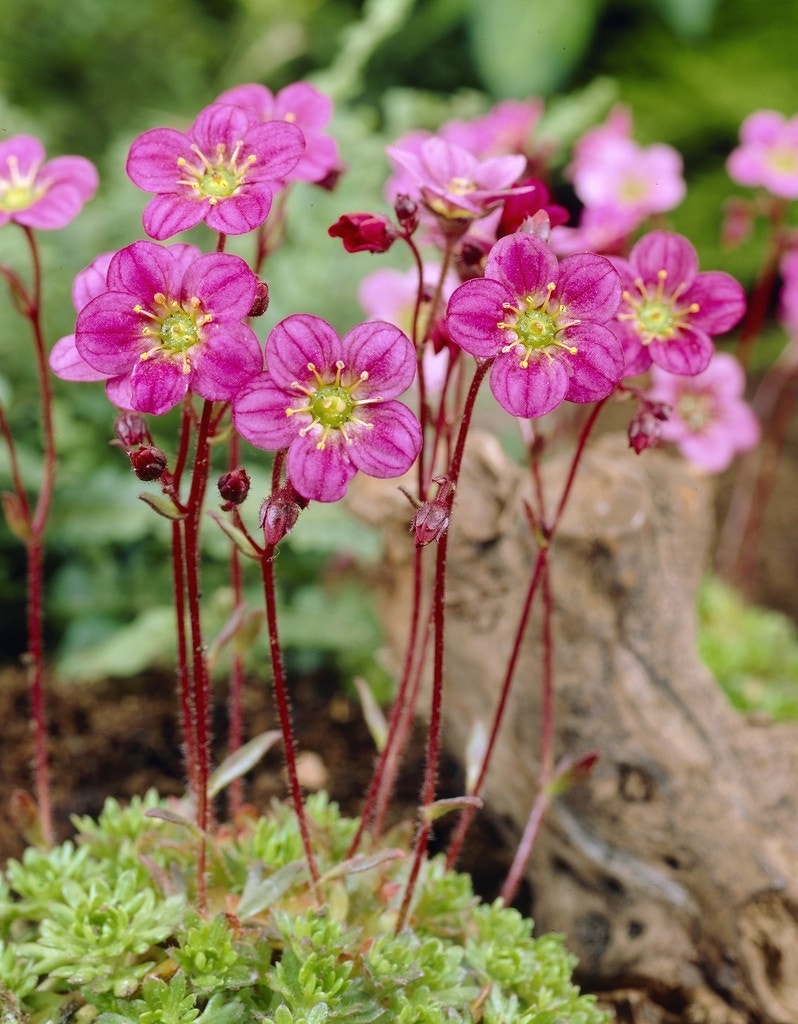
x=242 y=761
x=530 y=48
x=688 y=19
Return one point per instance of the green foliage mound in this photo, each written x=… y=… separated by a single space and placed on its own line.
x=105 y=929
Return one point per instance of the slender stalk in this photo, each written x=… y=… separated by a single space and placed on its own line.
x=284 y=710
x=235 y=791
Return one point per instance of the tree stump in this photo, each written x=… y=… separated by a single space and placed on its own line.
x=673 y=869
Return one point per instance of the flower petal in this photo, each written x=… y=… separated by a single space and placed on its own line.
x=68 y=364
x=167 y=214
x=598 y=366
x=259 y=415
x=474 y=312
x=227 y=358
x=319 y=474
x=152 y=162
x=665 y=250
x=242 y=212
x=720 y=300
x=528 y=392
x=385 y=353
x=589 y=287
x=157 y=385
x=108 y=333
x=687 y=354
x=389 y=446
x=223 y=283
x=295 y=343
x=524 y=264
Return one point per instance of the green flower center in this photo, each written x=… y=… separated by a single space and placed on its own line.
x=695 y=410
x=331 y=404
x=216 y=177
x=535 y=328
x=657 y=316
x=173 y=328
x=20 y=191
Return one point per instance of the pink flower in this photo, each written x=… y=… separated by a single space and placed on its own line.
x=788 y=298
x=709 y=421
x=453 y=183
x=767 y=155
x=670 y=311
x=38 y=194
x=303 y=105
x=543 y=323
x=170 y=320
x=611 y=171
x=331 y=402
x=223 y=171
x=506 y=128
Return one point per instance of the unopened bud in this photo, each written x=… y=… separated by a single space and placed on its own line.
x=148 y=462
x=364 y=232
x=406 y=210
x=261 y=302
x=279 y=513
x=234 y=486
x=130 y=429
x=645 y=429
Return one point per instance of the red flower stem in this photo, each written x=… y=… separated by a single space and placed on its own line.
x=284 y=711
x=387 y=762
x=235 y=730
x=438 y=619
x=200 y=676
x=765 y=283
x=188 y=714
x=540 y=568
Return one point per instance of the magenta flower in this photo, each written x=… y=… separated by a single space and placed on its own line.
x=767 y=155
x=303 y=105
x=223 y=171
x=170 y=321
x=331 y=402
x=38 y=194
x=788 y=297
x=543 y=324
x=453 y=183
x=709 y=421
x=670 y=311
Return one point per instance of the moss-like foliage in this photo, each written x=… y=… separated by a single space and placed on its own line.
x=106 y=929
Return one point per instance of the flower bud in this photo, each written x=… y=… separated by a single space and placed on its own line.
x=130 y=429
x=430 y=522
x=261 y=301
x=406 y=213
x=364 y=232
x=234 y=486
x=279 y=513
x=645 y=429
x=148 y=462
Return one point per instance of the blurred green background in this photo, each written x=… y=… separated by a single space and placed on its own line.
x=89 y=75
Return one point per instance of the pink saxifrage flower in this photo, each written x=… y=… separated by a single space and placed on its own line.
x=170 y=321
x=670 y=311
x=452 y=182
x=543 y=323
x=224 y=171
x=331 y=402
x=709 y=421
x=39 y=194
x=303 y=105
x=767 y=156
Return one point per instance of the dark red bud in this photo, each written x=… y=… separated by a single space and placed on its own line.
x=148 y=462
x=645 y=430
x=364 y=232
x=261 y=301
x=234 y=486
x=130 y=429
x=406 y=213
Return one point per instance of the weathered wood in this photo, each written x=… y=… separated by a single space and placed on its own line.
x=673 y=870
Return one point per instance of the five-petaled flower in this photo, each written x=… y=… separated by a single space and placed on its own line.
x=170 y=320
x=542 y=323
x=302 y=104
x=709 y=421
x=332 y=403
x=39 y=194
x=768 y=154
x=670 y=311
x=224 y=171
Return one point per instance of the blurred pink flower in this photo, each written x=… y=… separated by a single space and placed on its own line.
x=331 y=402
x=39 y=194
x=301 y=104
x=542 y=323
x=709 y=421
x=670 y=311
x=788 y=298
x=767 y=155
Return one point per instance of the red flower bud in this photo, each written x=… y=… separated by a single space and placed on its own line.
x=261 y=302
x=148 y=462
x=645 y=430
x=364 y=232
x=406 y=213
x=279 y=513
x=234 y=486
